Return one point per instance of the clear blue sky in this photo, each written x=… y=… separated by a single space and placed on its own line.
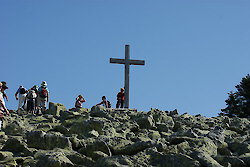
x=196 y=51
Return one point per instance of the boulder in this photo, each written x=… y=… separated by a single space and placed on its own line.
x=79 y=159
x=239 y=148
x=246 y=158
x=83 y=128
x=77 y=143
x=92 y=146
x=64 y=115
x=114 y=161
x=55 y=159
x=161 y=117
x=6 y=156
x=146 y=122
x=205 y=159
x=17 y=147
x=41 y=140
x=98 y=154
x=55 y=109
x=17 y=127
x=134 y=148
x=232 y=160
x=60 y=128
x=217 y=134
x=98 y=111
x=173 y=160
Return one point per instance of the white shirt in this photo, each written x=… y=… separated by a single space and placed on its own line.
x=3 y=103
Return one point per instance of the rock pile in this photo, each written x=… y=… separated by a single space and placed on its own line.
x=109 y=137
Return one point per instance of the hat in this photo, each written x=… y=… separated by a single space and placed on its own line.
x=44 y=83
x=35 y=87
x=4 y=85
x=122 y=89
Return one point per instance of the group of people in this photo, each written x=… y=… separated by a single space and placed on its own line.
x=34 y=99
x=120 y=101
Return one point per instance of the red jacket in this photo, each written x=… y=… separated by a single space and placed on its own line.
x=120 y=96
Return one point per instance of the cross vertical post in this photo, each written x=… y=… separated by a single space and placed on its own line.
x=127 y=57
x=127 y=62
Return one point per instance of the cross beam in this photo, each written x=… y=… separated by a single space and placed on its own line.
x=127 y=62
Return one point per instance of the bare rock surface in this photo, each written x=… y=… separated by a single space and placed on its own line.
x=123 y=137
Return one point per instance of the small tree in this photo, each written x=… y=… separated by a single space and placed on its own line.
x=238 y=103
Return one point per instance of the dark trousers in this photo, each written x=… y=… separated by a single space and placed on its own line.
x=119 y=103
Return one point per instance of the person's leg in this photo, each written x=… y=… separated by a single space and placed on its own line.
x=28 y=106
x=39 y=104
x=122 y=102
x=43 y=102
x=20 y=102
x=1 y=123
x=35 y=106
x=32 y=106
x=118 y=104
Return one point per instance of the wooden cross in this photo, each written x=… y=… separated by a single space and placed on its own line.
x=127 y=62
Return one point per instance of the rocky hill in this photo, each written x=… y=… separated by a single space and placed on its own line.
x=110 y=137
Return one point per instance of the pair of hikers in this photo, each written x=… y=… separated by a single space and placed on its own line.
x=33 y=99
x=2 y=104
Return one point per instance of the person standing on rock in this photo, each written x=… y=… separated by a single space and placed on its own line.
x=35 y=88
x=120 y=99
x=43 y=96
x=31 y=102
x=4 y=87
x=2 y=106
x=22 y=95
x=105 y=102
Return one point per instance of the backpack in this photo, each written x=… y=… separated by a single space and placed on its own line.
x=22 y=91
x=31 y=95
x=109 y=104
x=43 y=93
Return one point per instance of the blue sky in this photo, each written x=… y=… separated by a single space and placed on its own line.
x=196 y=51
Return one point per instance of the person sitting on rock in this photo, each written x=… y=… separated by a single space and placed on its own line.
x=105 y=102
x=79 y=100
x=31 y=101
x=43 y=96
x=120 y=98
x=2 y=106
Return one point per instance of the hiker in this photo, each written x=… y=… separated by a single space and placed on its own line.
x=2 y=106
x=35 y=88
x=105 y=102
x=43 y=96
x=4 y=87
x=79 y=100
x=120 y=99
x=22 y=94
x=31 y=102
